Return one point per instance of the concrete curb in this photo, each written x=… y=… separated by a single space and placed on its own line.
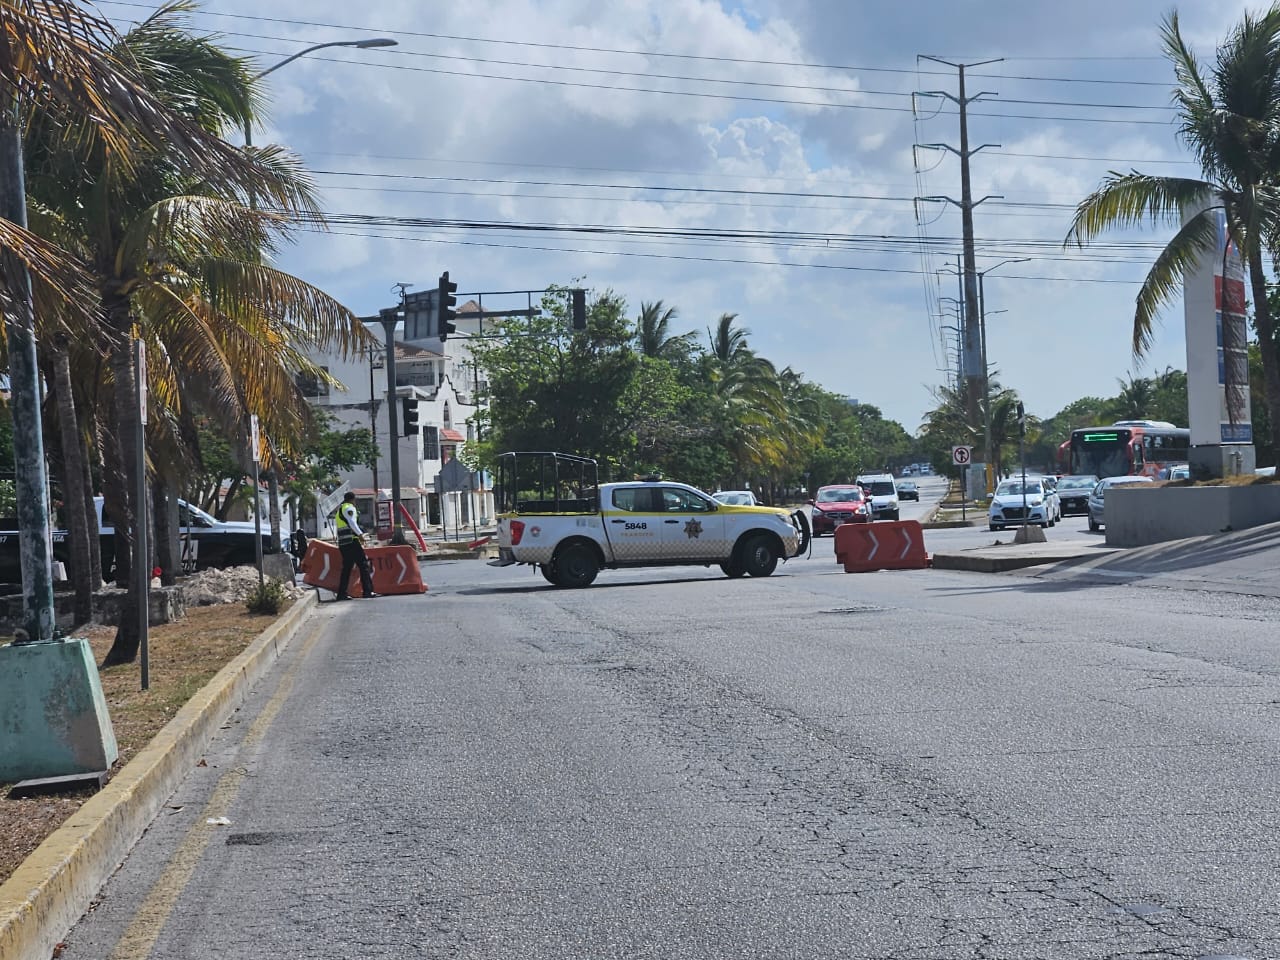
x=986 y=563
x=54 y=886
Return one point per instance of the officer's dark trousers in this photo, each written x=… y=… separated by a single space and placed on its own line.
x=353 y=555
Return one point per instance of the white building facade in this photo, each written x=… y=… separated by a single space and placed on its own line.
x=437 y=378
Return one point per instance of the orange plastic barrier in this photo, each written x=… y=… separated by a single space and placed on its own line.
x=883 y=545
x=395 y=569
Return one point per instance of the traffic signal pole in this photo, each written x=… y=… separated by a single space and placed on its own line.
x=390 y=319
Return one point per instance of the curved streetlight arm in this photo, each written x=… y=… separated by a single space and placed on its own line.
x=360 y=44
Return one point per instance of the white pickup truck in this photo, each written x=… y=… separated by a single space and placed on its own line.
x=555 y=516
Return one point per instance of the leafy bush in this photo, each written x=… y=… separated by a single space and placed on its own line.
x=268 y=598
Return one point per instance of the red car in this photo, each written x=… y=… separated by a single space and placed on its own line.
x=837 y=504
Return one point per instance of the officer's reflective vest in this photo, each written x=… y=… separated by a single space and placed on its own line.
x=345 y=533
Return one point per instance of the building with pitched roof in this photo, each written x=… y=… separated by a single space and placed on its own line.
x=438 y=379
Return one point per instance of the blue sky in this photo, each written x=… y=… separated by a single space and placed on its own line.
x=785 y=129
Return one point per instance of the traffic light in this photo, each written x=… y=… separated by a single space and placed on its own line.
x=409 y=407
x=579 y=300
x=445 y=301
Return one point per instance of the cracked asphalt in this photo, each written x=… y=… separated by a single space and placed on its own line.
x=911 y=765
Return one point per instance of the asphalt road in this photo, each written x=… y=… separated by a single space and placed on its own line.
x=921 y=764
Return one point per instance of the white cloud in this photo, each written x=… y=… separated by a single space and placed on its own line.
x=851 y=316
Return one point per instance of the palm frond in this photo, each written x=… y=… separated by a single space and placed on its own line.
x=64 y=291
x=1125 y=200
x=306 y=316
x=1162 y=284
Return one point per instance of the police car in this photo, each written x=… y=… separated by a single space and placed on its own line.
x=554 y=515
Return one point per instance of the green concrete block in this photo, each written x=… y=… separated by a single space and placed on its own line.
x=53 y=716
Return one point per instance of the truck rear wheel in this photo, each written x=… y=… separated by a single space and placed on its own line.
x=577 y=566
x=549 y=573
x=759 y=556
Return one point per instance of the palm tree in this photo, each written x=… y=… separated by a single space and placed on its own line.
x=1135 y=400
x=1231 y=120
x=55 y=61
x=749 y=398
x=1004 y=424
x=178 y=262
x=653 y=332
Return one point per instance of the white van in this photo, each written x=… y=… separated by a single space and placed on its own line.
x=883 y=493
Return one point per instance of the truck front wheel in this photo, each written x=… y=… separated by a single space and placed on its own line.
x=577 y=566
x=759 y=556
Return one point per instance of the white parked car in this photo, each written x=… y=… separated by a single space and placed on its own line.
x=1007 y=504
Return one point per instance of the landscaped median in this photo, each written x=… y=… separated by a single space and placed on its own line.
x=46 y=895
x=1149 y=513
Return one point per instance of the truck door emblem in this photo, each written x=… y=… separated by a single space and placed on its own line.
x=693 y=529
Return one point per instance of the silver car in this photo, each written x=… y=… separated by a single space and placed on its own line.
x=1073 y=492
x=1097 y=499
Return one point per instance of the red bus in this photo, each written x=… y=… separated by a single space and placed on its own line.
x=1125 y=448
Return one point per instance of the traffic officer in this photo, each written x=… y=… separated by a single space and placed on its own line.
x=349 y=545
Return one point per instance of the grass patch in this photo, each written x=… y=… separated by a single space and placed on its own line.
x=184 y=656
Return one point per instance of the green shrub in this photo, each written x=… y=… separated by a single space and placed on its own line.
x=269 y=597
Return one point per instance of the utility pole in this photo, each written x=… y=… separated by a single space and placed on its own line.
x=975 y=373
x=30 y=478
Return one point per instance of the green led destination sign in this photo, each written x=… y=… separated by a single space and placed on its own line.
x=1101 y=437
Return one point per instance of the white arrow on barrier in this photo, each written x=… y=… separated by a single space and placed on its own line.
x=324 y=570
x=906 y=535
x=404 y=570
x=875 y=544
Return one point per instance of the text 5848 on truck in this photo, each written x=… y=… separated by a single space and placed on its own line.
x=555 y=515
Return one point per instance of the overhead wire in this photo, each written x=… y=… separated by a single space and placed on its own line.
x=663 y=256
x=612 y=71
x=382 y=31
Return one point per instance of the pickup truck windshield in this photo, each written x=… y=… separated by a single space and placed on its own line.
x=883 y=488
x=189 y=516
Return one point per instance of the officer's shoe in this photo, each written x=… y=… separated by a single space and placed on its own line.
x=372 y=596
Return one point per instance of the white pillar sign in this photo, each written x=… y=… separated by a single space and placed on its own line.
x=1217 y=344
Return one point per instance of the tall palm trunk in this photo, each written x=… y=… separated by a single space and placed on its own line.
x=164 y=516
x=124 y=649
x=88 y=428
x=73 y=497
x=1266 y=341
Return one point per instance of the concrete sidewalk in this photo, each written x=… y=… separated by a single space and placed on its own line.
x=1243 y=561
x=1000 y=557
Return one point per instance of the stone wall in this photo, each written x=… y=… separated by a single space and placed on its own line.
x=167 y=605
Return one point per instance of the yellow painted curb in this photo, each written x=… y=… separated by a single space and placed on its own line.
x=54 y=886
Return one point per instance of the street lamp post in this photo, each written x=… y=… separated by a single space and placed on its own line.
x=986 y=370
x=273 y=481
